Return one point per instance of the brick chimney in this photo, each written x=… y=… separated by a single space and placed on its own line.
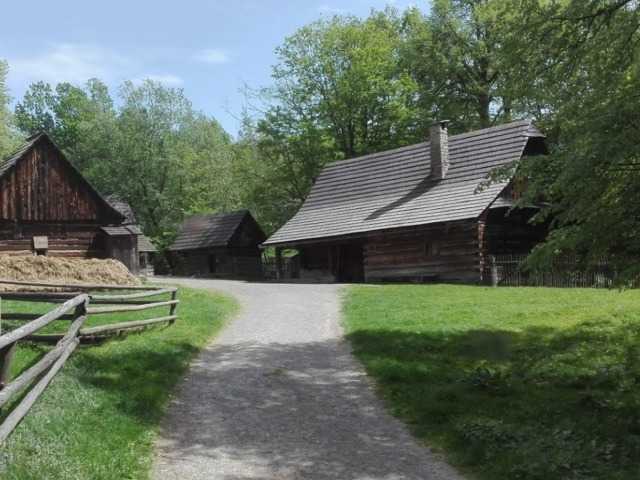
x=439 y=139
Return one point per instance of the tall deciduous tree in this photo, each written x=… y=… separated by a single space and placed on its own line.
x=153 y=151
x=585 y=55
x=456 y=54
x=80 y=120
x=339 y=92
x=8 y=136
x=343 y=77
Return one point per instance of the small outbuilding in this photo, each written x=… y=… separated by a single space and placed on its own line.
x=144 y=252
x=424 y=212
x=223 y=245
x=48 y=208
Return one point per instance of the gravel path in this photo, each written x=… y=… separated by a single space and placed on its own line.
x=278 y=396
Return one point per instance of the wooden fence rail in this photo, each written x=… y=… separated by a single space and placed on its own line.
x=74 y=300
x=53 y=361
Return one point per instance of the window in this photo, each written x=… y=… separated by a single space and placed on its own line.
x=431 y=248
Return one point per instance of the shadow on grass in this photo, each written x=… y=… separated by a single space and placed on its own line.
x=543 y=403
x=138 y=377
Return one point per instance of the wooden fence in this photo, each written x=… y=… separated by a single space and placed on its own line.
x=76 y=307
x=290 y=268
x=509 y=270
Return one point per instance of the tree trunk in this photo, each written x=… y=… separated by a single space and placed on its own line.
x=484 y=101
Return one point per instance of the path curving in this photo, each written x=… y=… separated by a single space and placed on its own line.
x=278 y=396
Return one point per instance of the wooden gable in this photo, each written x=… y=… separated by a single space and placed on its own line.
x=38 y=184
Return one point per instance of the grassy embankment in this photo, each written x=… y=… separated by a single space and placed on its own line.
x=510 y=383
x=98 y=418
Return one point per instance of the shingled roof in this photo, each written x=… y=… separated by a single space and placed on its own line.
x=123 y=207
x=145 y=245
x=393 y=189
x=209 y=230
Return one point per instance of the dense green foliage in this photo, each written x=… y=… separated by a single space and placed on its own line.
x=589 y=80
x=345 y=86
x=153 y=150
x=8 y=137
x=526 y=383
x=98 y=417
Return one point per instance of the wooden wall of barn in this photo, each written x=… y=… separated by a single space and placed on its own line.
x=43 y=196
x=219 y=262
x=448 y=252
x=73 y=240
x=43 y=188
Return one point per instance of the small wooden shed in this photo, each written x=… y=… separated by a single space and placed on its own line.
x=223 y=245
x=48 y=207
x=145 y=250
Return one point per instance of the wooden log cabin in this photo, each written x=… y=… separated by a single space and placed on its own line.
x=424 y=212
x=48 y=207
x=221 y=245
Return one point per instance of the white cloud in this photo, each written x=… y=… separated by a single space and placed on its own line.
x=67 y=62
x=167 y=79
x=328 y=9
x=212 y=55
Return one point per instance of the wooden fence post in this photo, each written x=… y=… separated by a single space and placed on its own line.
x=173 y=306
x=494 y=270
x=6 y=356
x=279 y=273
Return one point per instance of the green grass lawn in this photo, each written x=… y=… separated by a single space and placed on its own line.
x=98 y=418
x=510 y=383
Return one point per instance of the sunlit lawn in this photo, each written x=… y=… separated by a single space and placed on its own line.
x=98 y=418
x=510 y=383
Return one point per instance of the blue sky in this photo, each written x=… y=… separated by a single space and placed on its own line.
x=209 y=48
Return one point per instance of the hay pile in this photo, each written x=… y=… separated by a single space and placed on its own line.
x=63 y=270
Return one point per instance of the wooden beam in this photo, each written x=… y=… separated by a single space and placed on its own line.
x=131 y=296
x=279 y=272
x=101 y=329
x=52 y=297
x=42 y=321
x=80 y=286
x=6 y=357
x=31 y=316
x=130 y=308
x=13 y=419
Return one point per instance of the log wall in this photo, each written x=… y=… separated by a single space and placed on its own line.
x=43 y=195
x=447 y=252
x=42 y=187
x=229 y=263
x=65 y=240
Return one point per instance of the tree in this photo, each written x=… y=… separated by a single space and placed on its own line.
x=154 y=151
x=585 y=57
x=339 y=92
x=80 y=120
x=167 y=160
x=8 y=137
x=456 y=54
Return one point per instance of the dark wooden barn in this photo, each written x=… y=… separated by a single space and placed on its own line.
x=48 y=207
x=224 y=245
x=424 y=212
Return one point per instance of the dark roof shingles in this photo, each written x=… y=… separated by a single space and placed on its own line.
x=123 y=207
x=145 y=244
x=210 y=230
x=392 y=189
